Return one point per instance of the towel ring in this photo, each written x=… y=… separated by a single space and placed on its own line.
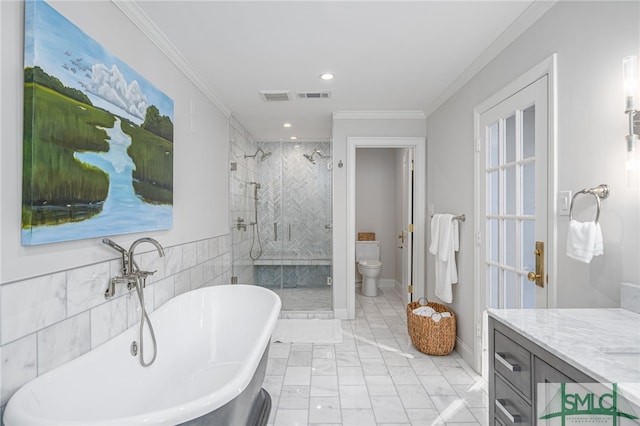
x=600 y=191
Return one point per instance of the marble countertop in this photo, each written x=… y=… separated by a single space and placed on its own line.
x=603 y=343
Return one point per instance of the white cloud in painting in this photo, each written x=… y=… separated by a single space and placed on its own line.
x=110 y=85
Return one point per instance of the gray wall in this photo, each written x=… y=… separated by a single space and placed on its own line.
x=590 y=39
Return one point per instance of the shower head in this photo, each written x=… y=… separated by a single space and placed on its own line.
x=313 y=154
x=262 y=157
x=309 y=157
x=257 y=184
x=265 y=155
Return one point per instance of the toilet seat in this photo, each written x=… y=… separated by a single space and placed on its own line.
x=370 y=263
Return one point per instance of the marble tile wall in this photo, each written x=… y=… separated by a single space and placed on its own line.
x=49 y=320
x=296 y=196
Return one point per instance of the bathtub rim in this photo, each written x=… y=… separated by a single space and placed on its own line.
x=173 y=414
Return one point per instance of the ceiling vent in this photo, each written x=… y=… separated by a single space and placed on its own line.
x=275 y=95
x=313 y=95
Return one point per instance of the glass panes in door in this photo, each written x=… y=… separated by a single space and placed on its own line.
x=510 y=222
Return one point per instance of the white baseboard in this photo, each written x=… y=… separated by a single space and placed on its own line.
x=466 y=353
x=340 y=314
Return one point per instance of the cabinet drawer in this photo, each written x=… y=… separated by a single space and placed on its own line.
x=513 y=362
x=509 y=407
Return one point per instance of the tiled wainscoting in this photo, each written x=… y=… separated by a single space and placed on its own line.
x=50 y=320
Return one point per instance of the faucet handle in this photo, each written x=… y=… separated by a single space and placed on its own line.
x=144 y=274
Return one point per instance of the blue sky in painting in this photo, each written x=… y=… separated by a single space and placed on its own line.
x=63 y=50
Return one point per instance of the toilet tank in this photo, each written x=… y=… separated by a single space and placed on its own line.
x=369 y=250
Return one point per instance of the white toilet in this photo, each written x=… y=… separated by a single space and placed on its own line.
x=369 y=265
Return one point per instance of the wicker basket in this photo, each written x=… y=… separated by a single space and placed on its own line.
x=366 y=236
x=428 y=336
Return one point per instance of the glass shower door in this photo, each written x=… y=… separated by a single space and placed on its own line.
x=307 y=232
x=297 y=205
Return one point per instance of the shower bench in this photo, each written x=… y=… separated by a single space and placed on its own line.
x=295 y=272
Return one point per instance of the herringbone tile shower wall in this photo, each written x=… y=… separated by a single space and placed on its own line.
x=294 y=202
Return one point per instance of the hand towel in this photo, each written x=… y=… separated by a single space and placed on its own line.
x=584 y=241
x=598 y=247
x=444 y=244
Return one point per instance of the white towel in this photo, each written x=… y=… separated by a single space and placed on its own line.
x=428 y=311
x=584 y=241
x=444 y=244
x=435 y=234
x=425 y=311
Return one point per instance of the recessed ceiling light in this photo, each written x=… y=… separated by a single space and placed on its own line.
x=293 y=138
x=327 y=76
x=287 y=125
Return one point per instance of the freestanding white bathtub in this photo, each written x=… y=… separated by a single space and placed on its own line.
x=212 y=353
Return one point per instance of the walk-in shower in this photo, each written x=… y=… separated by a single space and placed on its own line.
x=287 y=205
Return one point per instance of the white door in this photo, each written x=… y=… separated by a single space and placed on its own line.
x=407 y=224
x=512 y=184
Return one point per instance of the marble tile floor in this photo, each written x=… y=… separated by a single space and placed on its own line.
x=375 y=377
x=306 y=298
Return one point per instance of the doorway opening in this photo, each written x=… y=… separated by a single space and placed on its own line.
x=411 y=269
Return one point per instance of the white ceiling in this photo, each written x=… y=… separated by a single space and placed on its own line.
x=386 y=55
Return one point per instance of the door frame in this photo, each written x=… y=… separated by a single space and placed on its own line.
x=408 y=261
x=418 y=145
x=547 y=67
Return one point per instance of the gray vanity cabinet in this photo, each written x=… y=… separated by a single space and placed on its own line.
x=516 y=365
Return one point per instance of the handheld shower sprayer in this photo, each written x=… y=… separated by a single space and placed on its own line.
x=123 y=253
x=255 y=189
x=113 y=245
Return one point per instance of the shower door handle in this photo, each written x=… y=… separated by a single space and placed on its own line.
x=275 y=231
x=289 y=232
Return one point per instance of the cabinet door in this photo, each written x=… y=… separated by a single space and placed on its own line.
x=509 y=408
x=547 y=384
x=513 y=362
x=544 y=373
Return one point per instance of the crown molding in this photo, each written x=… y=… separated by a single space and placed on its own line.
x=141 y=20
x=379 y=115
x=508 y=36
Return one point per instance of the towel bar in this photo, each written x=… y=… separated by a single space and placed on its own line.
x=460 y=218
x=599 y=192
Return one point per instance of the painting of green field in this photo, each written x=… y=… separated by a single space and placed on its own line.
x=98 y=138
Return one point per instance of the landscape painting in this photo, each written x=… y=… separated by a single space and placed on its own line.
x=98 y=138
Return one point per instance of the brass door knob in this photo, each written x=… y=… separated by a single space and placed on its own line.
x=532 y=276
